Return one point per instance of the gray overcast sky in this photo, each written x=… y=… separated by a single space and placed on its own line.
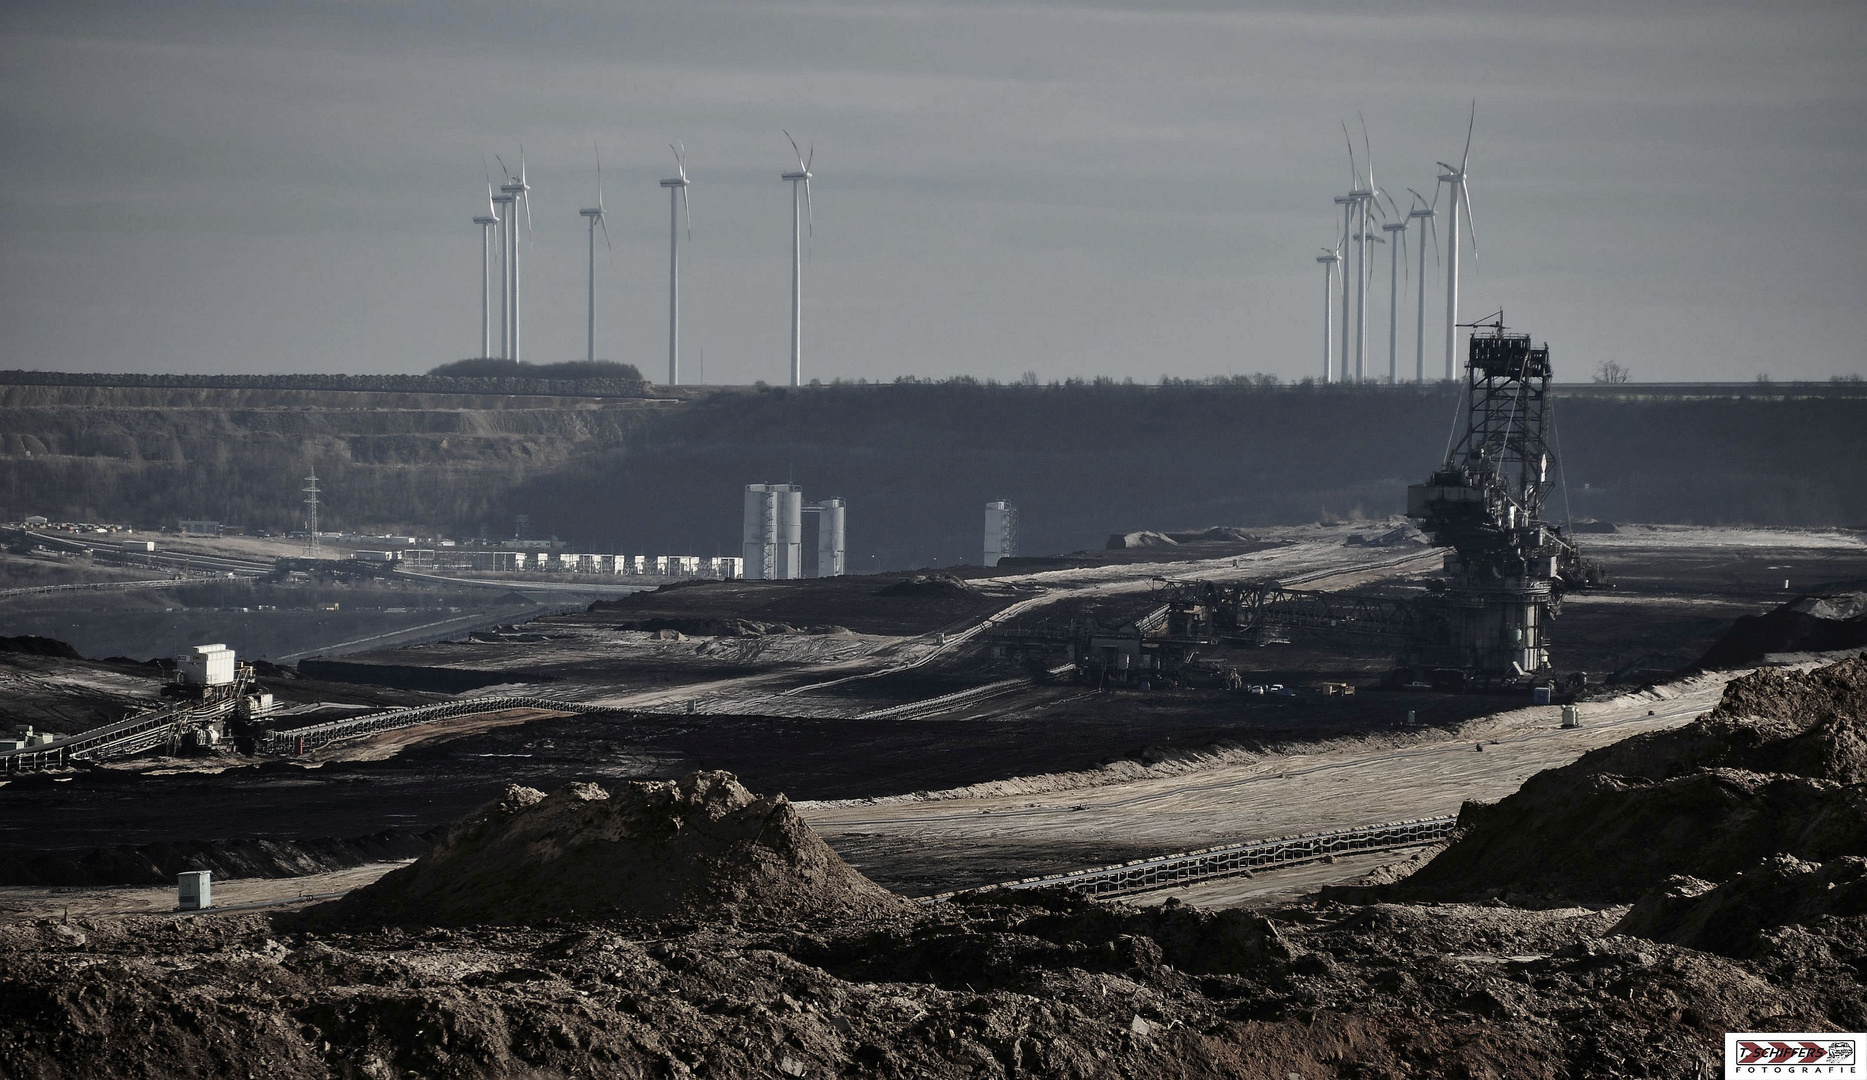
x=1071 y=188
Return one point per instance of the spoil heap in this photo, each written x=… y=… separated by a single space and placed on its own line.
x=702 y=847
x=1814 y=623
x=1732 y=918
x=999 y=984
x=1778 y=768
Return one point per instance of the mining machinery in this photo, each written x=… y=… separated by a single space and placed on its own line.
x=1486 y=623
x=1508 y=565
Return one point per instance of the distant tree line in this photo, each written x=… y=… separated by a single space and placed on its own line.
x=606 y=380
x=493 y=367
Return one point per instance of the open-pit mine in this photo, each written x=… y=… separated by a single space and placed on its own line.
x=1469 y=788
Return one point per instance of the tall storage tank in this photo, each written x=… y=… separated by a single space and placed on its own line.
x=761 y=530
x=830 y=558
x=790 y=555
x=1001 y=532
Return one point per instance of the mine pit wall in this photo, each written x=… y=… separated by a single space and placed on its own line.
x=915 y=461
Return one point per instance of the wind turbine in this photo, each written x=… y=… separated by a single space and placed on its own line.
x=1460 y=194
x=517 y=190
x=1426 y=212
x=1347 y=203
x=595 y=214
x=502 y=213
x=677 y=185
x=1397 y=230
x=486 y=222
x=801 y=176
x=1363 y=193
x=1330 y=258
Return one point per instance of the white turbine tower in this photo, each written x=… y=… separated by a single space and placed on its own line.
x=1330 y=258
x=1426 y=212
x=1397 y=240
x=502 y=231
x=595 y=214
x=518 y=191
x=800 y=177
x=677 y=186
x=486 y=222
x=1347 y=203
x=1461 y=194
x=1363 y=192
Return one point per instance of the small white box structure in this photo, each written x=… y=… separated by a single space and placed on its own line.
x=1571 y=716
x=196 y=889
x=207 y=665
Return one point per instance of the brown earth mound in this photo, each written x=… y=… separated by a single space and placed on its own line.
x=1824 y=622
x=33 y=645
x=1730 y=918
x=702 y=847
x=1777 y=768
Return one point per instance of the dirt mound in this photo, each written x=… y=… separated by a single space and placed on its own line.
x=1779 y=767
x=1146 y=538
x=1811 y=724
x=927 y=585
x=33 y=645
x=702 y=847
x=995 y=986
x=1810 y=623
x=1730 y=918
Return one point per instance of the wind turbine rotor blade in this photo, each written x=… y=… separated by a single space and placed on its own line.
x=1471 y=225
x=1433 y=224
x=502 y=167
x=795 y=150
x=1469 y=125
x=810 y=157
x=688 y=211
x=1367 y=152
x=599 y=185
x=1354 y=171
x=527 y=198
x=810 y=219
x=612 y=248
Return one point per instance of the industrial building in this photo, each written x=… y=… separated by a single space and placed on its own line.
x=1001 y=532
x=773 y=538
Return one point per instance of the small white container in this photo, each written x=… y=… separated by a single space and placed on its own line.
x=196 y=888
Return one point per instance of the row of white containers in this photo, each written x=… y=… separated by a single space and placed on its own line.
x=558 y=562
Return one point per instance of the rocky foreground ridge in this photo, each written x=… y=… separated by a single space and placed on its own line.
x=699 y=930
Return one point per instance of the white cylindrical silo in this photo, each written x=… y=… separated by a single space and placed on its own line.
x=830 y=560
x=789 y=538
x=761 y=531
